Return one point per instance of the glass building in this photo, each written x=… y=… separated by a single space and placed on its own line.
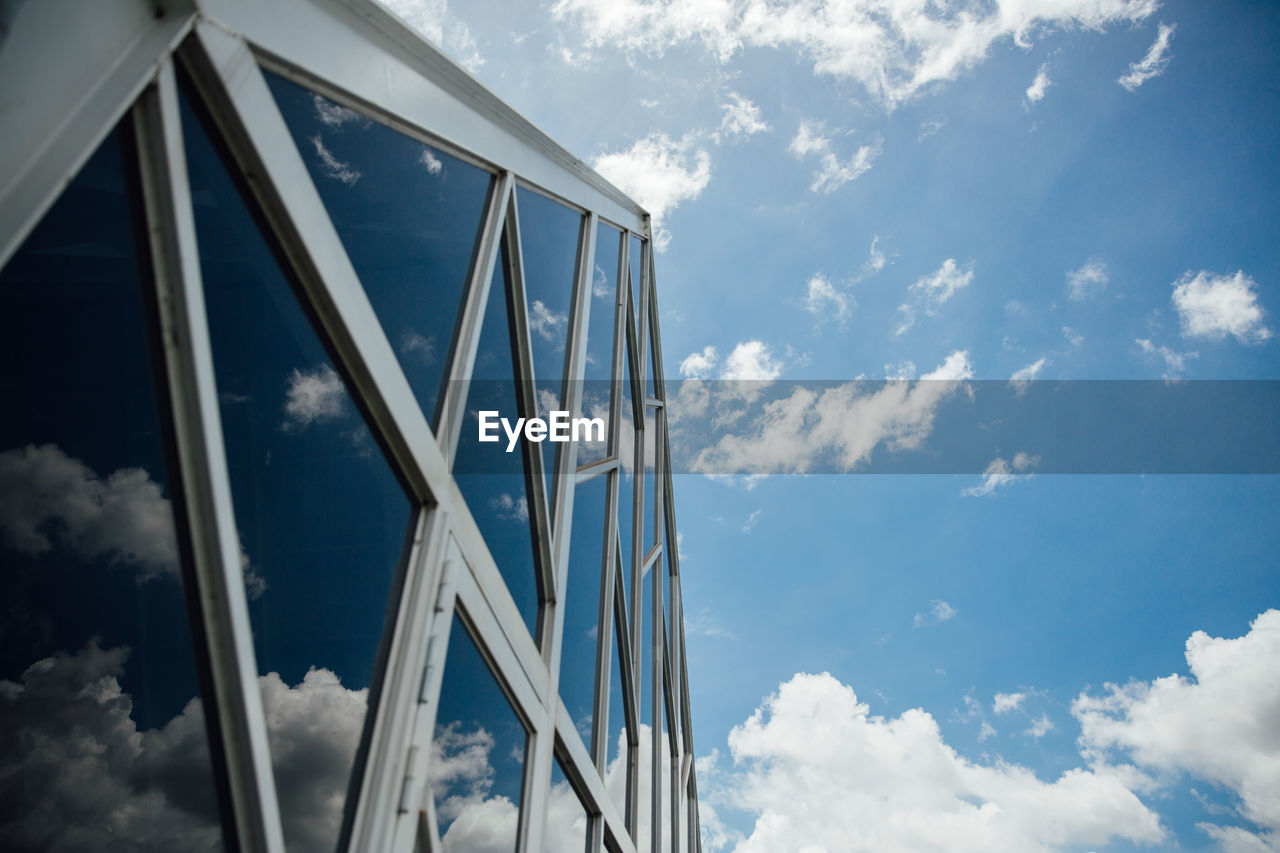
x=262 y=265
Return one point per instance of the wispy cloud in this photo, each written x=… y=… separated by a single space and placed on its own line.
x=1090 y=279
x=1001 y=473
x=929 y=293
x=1175 y=363
x=1039 y=86
x=939 y=611
x=741 y=117
x=1153 y=64
x=832 y=172
x=826 y=302
x=333 y=167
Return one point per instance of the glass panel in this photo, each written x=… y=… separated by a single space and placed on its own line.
x=635 y=277
x=598 y=392
x=321 y=515
x=104 y=731
x=616 y=748
x=651 y=373
x=645 y=681
x=408 y=216
x=650 y=481
x=566 y=816
x=627 y=480
x=494 y=481
x=549 y=245
x=477 y=754
x=582 y=604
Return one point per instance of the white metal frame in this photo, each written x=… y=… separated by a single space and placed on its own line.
x=96 y=61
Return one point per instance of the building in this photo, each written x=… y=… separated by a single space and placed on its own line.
x=261 y=267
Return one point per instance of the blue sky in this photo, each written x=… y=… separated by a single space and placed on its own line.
x=1040 y=190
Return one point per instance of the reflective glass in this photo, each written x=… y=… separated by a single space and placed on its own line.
x=549 y=245
x=645 y=682
x=582 y=604
x=408 y=216
x=651 y=497
x=477 y=754
x=616 y=741
x=566 y=830
x=493 y=481
x=103 y=743
x=651 y=373
x=598 y=390
x=634 y=265
x=627 y=480
x=322 y=517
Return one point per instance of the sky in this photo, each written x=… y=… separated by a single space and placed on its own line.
x=1007 y=659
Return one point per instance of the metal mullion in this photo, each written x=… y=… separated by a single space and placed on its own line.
x=674 y=803
x=659 y=387
x=630 y=702
x=406 y=823
x=588 y=786
x=565 y=460
x=655 y=711
x=527 y=401
x=605 y=637
x=236 y=94
x=621 y=300
x=453 y=402
x=668 y=699
x=412 y=664
x=595 y=469
x=236 y=703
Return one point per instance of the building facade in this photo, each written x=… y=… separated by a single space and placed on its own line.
x=262 y=268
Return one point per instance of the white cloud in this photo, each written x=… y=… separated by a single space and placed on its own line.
x=751 y=521
x=1153 y=64
x=875 y=257
x=1221 y=723
x=896 y=49
x=742 y=117
x=832 y=173
x=825 y=302
x=546 y=323
x=930 y=128
x=1090 y=279
x=1214 y=306
x=901 y=370
x=313 y=396
x=1006 y=702
x=986 y=731
x=1074 y=338
x=659 y=174
x=509 y=508
x=751 y=360
x=1000 y=473
x=431 y=161
x=1175 y=362
x=939 y=611
x=432 y=20
x=415 y=346
x=333 y=167
x=1039 y=86
x=1040 y=727
x=1031 y=371
x=334 y=115
x=871 y=783
x=846 y=422
x=698 y=365
x=931 y=292
x=92 y=777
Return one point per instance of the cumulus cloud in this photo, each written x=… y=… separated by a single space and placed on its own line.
x=1006 y=702
x=1039 y=86
x=1220 y=723
x=1040 y=727
x=845 y=422
x=1001 y=473
x=1214 y=306
x=751 y=360
x=832 y=172
x=895 y=49
x=509 y=508
x=430 y=161
x=1153 y=64
x=939 y=611
x=659 y=173
x=332 y=167
x=825 y=302
x=547 y=324
x=1090 y=279
x=433 y=21
x=929 y=293
x=741 y=117
x=698 y=365
x=87 y=776
x=863 y=782
x=313 y=396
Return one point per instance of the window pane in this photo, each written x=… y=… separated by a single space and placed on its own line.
x=582 y=604
x=549 y=244
x=615 y=776
x=634 y=256
x=322 y=518
x=566 y=830
x=651 y=373
x=650 y=481
x=477 y=754
x=598 y=390
x=103 y=728
x=645 y=681
x=494 y=481
x=408 y=216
